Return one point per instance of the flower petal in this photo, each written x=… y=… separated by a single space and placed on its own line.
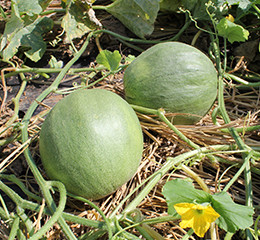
x=196 y=216
x=200 y=225
x=182 y=208
x=211 y=214
x=188 y=223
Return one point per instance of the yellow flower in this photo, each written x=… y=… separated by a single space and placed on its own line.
x=230 y=18
x=196 y=216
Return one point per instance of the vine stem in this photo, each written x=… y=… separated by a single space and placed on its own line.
x=161 y=114
x=170 y=163
x=26 y=204
x=196 y=177
x=14 y=228
x=21 y=204
x=256 y=8
x=240 y=170
x=71 y=71
x=242 y=81
x=109 y=228
x=16 y=103
x=233 y=132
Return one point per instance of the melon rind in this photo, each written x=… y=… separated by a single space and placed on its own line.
x=174 y=76
x=92 y=142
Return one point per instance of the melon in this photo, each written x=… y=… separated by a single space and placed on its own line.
x=174 y=76
x=92 y=142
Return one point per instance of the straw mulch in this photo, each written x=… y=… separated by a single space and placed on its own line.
x=160 y=143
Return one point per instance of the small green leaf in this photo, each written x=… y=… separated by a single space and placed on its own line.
x=232 y=31
x=110 y=60
x=137 y=15
x=244 y=4
x=54 y=63
x=232 y=216
x=130 y=58
x=44 y=3
x=182 y=191
x=29 y=7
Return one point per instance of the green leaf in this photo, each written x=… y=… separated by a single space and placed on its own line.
x=137 y=15
x=129 y=58
x=232 y=31
x=170 y=5
x=232 y=216
x=76 y=21
x=29 y=37
x=54 y=63
x=29 y=7
x=110 y=60
x=14 y=24
x=44 y=3
x=243 y=4
x=182 y=191
x=204 y=10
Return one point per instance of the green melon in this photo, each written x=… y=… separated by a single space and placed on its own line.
x=92 y=142
x=174 y=76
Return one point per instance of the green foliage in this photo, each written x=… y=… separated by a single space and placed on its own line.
x=29 y=7
x=232 y=31
x=25 y=28
x=232 y=216
x=29 y=37
x=245 y=4
x=170 y=5
x=179 y=191
x=200 y=10
x=137 y=15
x=110 y=60
x=54 y=63
x=76 y=21
x=25 y=31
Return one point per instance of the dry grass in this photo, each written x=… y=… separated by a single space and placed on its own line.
x=160 y=143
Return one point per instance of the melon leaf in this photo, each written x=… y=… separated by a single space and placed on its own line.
x=25 y=32
x=44 y=3
x=110 y=60
x=29 y=7
x=137 y=15
x=232 y=31
x=12 y=26
x=76 y=21
x=54 y=63
x=233 y=216
x=29 y=37
x=180 y=191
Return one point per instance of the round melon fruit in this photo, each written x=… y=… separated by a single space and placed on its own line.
x=92 y=142
x=174 y=76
